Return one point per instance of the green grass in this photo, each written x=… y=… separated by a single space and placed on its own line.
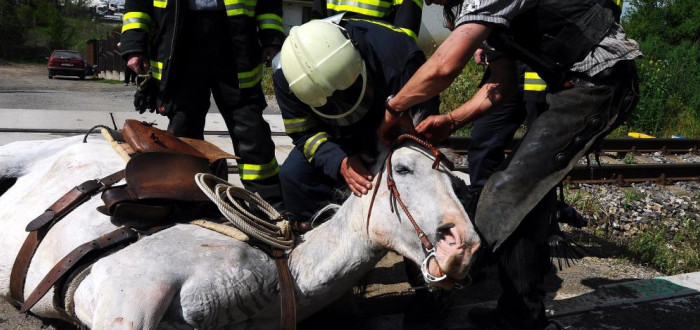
x=670 y=253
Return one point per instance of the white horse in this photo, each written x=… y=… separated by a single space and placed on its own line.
x=189 y=277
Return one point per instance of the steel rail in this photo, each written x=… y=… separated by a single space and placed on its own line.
x=624 y=174
x=624 y=145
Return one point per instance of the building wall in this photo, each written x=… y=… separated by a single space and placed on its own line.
x=432 y=31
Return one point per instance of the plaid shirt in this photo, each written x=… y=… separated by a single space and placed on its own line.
x=613 y=48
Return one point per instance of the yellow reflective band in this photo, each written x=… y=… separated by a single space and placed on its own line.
x=313 y=143
x=156 y=69
x=618 y=3
x=160 y=3
x=533 y=82
x=374 y=8
x=270 y=22
x=132 y=26
x=296 y=125
x=250 y=78
x=136 y=14
x=418 y=3
x=238 y=7
x=258 y=171
x=136 y=20
x=532 y=75
x=388 y=26
x=410 y=33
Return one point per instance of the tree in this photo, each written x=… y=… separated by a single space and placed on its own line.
x=12 y=31
x=668 y=32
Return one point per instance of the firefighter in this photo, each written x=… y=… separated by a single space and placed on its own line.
x=403 y=14
x=197 y=48
x=584 y=57
x=332 y=111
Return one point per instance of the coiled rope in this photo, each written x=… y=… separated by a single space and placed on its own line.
x=235 y=204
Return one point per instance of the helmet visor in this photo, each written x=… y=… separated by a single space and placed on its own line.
x=347 y=106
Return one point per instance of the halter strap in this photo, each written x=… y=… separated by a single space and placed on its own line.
x=439 y=156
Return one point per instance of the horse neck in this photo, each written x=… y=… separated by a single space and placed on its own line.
x=334 y=256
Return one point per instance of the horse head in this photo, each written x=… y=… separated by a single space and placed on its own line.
x=418 y=215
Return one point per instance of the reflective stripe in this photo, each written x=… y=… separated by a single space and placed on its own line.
x=250 y=78
x=156 y=69
x=136 y=20
x=296 y=125
x=374 y=8
x=270 y=21
x=534 y=83
x=418 y=3
x=313 y=143
x=240 y=7
x=258 y=171
x=160 y=3
x=618 y=3
x=388 y=26
x=410 y=33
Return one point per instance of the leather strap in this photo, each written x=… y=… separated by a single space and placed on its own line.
x=40 y=226
x=289 y=307
x=72 y=199
x=63 y=267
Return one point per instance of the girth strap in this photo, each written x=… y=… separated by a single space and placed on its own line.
x=63 y=267
x=72 y=199
x=288 y=304
x=40 y=226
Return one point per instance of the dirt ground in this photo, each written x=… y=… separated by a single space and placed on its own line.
x=387 y=292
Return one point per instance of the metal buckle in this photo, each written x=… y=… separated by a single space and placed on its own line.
x=91 y=186
x=142 y=81
x=429 y=278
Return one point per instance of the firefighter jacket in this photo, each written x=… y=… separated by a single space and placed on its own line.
x=152 y=28
x=391 y=58
x=403 y=14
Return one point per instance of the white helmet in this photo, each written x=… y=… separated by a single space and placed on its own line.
x=325 y=71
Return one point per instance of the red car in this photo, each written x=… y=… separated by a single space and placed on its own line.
x=66 y=63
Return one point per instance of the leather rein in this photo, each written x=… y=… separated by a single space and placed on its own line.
x=428 y=247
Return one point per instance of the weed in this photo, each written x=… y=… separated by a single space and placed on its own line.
x=631 y=195
x=629 y=159
x=676 y=255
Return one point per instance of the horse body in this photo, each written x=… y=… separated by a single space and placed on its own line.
x=189 y=277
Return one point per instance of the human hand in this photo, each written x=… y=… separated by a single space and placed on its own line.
x=437 y=128
x=268 y=53
x=138 y=63
x=356 y=175
x=393 y=126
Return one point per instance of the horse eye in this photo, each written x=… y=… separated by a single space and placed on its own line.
x=403 y=170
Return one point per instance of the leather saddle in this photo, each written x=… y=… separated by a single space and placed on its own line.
x=160 y=186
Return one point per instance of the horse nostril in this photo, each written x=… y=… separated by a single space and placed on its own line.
x=445 y=227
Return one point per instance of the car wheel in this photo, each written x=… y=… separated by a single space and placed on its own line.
x=82 y=77
x=50 y=77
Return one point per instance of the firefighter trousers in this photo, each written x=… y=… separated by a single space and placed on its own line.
x=204 y=65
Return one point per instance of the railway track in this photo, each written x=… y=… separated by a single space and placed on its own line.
x=624 y=170
x=619 y=167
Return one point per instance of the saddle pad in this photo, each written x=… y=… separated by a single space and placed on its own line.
x=123 y=149
x=211 y=151
x=145 y=138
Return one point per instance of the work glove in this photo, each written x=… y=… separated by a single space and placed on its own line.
x=146 y=92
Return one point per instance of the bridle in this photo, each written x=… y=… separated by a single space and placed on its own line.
x=428 y=247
